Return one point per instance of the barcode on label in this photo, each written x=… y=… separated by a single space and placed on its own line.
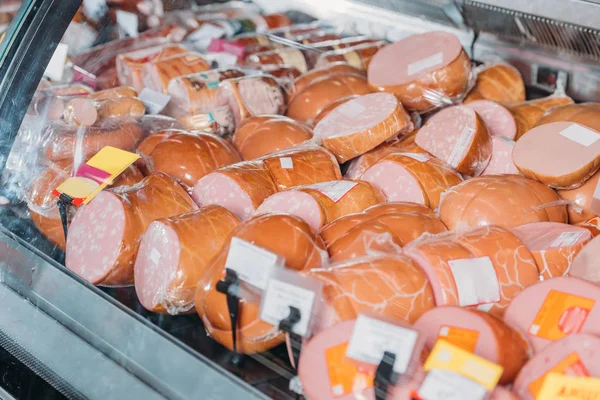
x=446 y=385
x=476 y=281
x=431 y=61
x=460 y=148
x=335 y=190
x=253 y=264
x=286 y=162
x=351 y=109
x=580 y=134
x=566 y=239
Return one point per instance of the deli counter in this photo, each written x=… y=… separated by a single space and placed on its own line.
x=78 y=340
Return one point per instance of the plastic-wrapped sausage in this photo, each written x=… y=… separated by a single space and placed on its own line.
x=219 y=121
x=87 y=112
x=359 y=56
x=285 y=56
x=158 y=74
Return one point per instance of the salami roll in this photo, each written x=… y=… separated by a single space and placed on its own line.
x=584 y=205
x=340 y=68
x=196 y=93
x=562 y=155
x=498 y=120
x=251 y=96
x=188 y=158
x=421 y=70
x=503 y=200
x=303 y=165
x=314 y=98
x=259 y=136
x=554 y=309
x=323 y=202
x=501 y=162
x=477 y=332
x=114 y=93
x=390 y=286
x=88 y=112
x=528 y=113
x=240 y=188
x=174 y=253
x=43 y=205
x=130 y=65
x=361 y=124
x=411 y=177
x=458 y=136
x=104 y=236
x=158 y=73
x=575 y=355
x=66 y=141
x=288 y=237
x=553 y=245
x=498 y=82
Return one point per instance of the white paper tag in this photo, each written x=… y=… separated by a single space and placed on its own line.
x=460 y=148
x=155 y=256
x=486 y=307
x=278 y=298
x=476 y=281
x=128 y=22
x=580 y=134
x=56 y=66
x=566 y=239
x=351 y=109
x=418 y=156
x=286 y=162
x=431 y=61
x=446 y=385
x=95 y=9
x=335 y=190
x=371 y=338
x=223 y=60
x=206 y=32
x=155 y=102
x=253 y=264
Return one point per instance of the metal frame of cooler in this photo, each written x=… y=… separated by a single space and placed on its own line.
x=86 y=341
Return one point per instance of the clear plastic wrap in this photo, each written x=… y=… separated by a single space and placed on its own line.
x=287 y=56
x=104 y=236
x=88 y=112
x=320 y=73
x=501 y=162
x=425 y=71
x=361 y=124
x=220 y=121
x=583 y=204
x=158 y=73
x=483 y=268
x=497 y=81
x=358 y=55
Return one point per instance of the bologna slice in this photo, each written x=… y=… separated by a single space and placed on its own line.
x=302 y=165
x=553 y=245
x=582 y=200
x=501 y=162
x=585 y=264
x=562 y=155
x=173 y=255
x=477 y=332
x=332 y=106
x=387 y=285
x=240 y=188
x=285 y=235
x=555 y=308
x=158 y=73
x=417 y=178
x=498 y=82
x=259 y=136
x=42 y=203
x=421 y=70
x=458 y=136
x=528 y=113
x=188 y=158
x=497 y=118
x=575 y=355
x=323 y=202
x=504 y=200
x=314 y=98
x=361 y=124
x=105 y=234
x=484 y=267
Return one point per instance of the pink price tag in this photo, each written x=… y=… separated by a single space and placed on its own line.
x=81 y=75
x=224 y=46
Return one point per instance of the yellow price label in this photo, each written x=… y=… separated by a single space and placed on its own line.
x=565 y=387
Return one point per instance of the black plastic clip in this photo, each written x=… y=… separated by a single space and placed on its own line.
x=64 y=201
x=287 y=325
x=225 y=286
x=384 y=375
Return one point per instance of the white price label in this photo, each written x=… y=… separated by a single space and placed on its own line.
x=155 y=102
x=431 y=61
x=446 y=385
x=286 y=162
x=206 y=32
x=476 y=281
x=566 y=239
x=222 y=60
x=56 y=66
x=460 y=148
x=253 y=264
x=371 y=338
x=335 y=190
x=128 y=22
x=579 y=134
x=279 y=297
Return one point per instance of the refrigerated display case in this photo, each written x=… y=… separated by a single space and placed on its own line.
x=97 y=342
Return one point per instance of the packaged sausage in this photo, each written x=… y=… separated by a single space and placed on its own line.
x=528 y=113
x=89 y=112
x=104 y=235
x=158 y=73
x=145 y=147
x=220 y=121
x=196 y=93
x=287 y=56
x=323 y=72
x=498 y=82
x=358 y=56
x=425 y=71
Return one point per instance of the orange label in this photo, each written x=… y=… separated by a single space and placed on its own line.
x=344 y=377
x=466 y=339
x=561 y=314
x=570 y=365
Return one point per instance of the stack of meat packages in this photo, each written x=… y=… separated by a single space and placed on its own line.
x=414 y=186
